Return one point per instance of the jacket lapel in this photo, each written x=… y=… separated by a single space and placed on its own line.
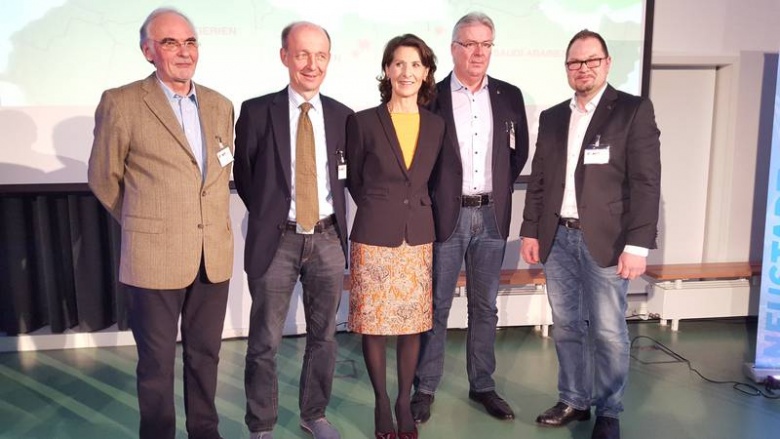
x=500 y=135
x=600 y=117
x=444 y=101
x=280 y=123
x=156 y=101
x=331 y=138
x=602 y=114
x=392 y=138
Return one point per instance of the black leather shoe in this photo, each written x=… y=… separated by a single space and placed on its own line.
x=494 y=404
x=421 y=406
x=606 y=428
x=561 y=414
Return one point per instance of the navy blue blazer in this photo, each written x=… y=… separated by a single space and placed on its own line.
x=508 y=106
x=263 y=167
x=393 y=203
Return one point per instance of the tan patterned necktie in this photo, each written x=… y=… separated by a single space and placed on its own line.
x=306 y=201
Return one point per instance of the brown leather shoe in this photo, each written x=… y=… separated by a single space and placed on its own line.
x=421 y=406
x=494 y=404
x=606 y=428
x=561 y=414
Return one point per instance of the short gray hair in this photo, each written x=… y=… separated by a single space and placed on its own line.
x=156 y=13
x=474 y=17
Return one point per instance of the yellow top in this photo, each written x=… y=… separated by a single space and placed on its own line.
x=407 y=128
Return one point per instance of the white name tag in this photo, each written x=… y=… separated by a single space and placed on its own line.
x=343 y=172
x=510 y=128
x=224 y=155
x=597 y=153
x=597 y=156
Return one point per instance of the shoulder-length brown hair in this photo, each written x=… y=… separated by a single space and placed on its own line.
x=428 y=59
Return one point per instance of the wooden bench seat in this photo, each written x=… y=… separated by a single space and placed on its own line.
x=519 y=276
x=705 y=270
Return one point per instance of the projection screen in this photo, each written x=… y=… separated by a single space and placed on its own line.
x=57 y=56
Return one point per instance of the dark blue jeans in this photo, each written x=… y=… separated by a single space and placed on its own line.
x=319 y=262
x=477 y=240
x=589 y=326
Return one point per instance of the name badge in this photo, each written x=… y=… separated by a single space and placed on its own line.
x=510 y=128
x=224 y=155
x=597 y=153
x=341 y=165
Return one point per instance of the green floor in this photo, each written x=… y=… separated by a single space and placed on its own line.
x=89 y=393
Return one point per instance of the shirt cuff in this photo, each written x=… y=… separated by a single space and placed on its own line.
x=634 y=250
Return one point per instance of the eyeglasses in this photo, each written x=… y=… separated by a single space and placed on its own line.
x=173 y=45
x=591 y=63
x=471 y=45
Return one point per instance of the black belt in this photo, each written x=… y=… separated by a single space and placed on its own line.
x=570 y=223
x=319 y=226
x=475 y=200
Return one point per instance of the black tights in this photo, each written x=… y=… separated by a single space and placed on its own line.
x=407 y=351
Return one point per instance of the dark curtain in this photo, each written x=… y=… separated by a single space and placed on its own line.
x=59 y=259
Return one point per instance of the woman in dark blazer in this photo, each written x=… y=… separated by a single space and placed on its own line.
x=391 y=151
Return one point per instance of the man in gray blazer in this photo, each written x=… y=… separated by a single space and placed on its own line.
x=591 y=213
x=160 y=164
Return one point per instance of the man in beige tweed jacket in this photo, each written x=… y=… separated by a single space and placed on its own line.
x=161 y=163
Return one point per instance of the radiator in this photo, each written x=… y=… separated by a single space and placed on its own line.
x=676 y=300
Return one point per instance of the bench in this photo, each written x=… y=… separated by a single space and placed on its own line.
x=702 y=290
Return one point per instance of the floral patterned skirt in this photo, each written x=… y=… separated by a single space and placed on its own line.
x=391 y=290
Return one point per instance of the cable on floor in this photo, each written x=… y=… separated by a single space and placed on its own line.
x=739 y=386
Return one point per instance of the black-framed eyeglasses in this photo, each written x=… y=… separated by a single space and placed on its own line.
x=173 y=45
x=471 y=45
x=591 y=63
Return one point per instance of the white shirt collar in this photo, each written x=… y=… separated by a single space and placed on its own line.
x=592 y=104
x=456 y=85
x=296 y=100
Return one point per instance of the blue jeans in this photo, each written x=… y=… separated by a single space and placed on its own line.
x=589 y=326
x=477 y=240
x=319 y=261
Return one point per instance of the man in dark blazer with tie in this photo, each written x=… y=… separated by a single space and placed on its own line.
x=281 y=246
x=160 y=164
x=591 y=215
x=472 y=186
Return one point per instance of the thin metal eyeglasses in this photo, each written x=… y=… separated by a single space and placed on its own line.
x=173 y=45
x=591 y=63
x=471 y=45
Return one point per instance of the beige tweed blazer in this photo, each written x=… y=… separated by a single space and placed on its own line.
x=143 y=171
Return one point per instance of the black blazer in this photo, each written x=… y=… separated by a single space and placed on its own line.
x=393 y=203
x=508 y=105
x=263 y=168
x=618 y=201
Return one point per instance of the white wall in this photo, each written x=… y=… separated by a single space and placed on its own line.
x=715 y=27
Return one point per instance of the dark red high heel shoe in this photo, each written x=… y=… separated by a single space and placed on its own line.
x=385 y=435
x=408 y=434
